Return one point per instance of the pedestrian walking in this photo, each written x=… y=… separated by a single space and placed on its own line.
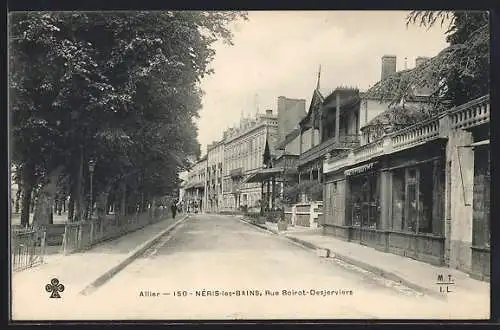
x=173 y=208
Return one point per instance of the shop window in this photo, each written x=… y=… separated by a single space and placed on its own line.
x=398 y=198
x=365 y=201
x=412 y=199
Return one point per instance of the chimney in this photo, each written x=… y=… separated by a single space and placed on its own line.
x=269 y=112
x=388 y=66
x=420 y=60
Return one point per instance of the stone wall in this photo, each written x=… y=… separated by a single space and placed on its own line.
x=458 y=191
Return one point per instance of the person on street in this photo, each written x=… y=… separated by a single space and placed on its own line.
x=173 y=208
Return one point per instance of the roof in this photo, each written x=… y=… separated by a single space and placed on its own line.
x=316 y=101
x=398 y=115
x=350 y=92
x=287 y=154
x=263 y=174
x=389 y=87
x=288 y=138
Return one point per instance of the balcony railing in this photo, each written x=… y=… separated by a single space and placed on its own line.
x=471 y=114
x=368 y=151
x=415 y=135
x=344 y=142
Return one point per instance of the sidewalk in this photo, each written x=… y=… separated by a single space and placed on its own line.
x=415 y=274
x=76 y=271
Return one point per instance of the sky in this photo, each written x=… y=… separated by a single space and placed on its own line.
x=278 y=53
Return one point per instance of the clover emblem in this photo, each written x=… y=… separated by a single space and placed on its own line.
x=54 y=287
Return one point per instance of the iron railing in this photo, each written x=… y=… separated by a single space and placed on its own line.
x=27 y=247
x=79 y=236
x=344 y=142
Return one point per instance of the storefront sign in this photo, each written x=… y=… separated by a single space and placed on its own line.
x=359 y=169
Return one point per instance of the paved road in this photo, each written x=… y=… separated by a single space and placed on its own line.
x=211 y=252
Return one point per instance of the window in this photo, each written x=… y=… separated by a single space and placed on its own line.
x=365 y=208
x=412 y=199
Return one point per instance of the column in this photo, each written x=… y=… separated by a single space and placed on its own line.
x=313 y=129
x=385 y=200
x=268 y=196
x=301 y=141
x=319 y=175
x=438 y=194
x=337 y=118
x=262 y=197
x=310 y=175
x=273 y=193
x=321 y=125
x=347 y=204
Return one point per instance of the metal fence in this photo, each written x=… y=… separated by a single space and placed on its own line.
x=80 y=236
x=27 y=247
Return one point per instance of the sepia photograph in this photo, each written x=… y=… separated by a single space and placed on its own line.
x=249 y=165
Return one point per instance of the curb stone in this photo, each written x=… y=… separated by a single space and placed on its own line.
x=129 y=258
x=370 y=268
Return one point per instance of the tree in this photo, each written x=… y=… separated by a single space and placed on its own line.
x=118 y=88
x=459 y=73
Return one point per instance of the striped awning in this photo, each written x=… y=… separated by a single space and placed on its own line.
x=359 y=169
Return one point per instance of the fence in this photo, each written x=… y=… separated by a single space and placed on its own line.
x=27 y=247
x=79 y=236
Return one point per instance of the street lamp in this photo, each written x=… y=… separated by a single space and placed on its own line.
x=91 y=170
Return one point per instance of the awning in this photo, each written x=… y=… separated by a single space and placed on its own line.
x=195 y=185
x=359 y=169
x=263 y=174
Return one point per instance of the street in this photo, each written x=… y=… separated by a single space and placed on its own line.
x=213 y=252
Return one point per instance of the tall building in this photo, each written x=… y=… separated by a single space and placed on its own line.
x=290 y=113
x=243 y=155
x=215 y=162
x=194 y=190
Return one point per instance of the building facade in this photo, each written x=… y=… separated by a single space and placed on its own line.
x=290 y=113
x=195 y=188
x=421 y=192
x=243 y=155
x=214 y=178
x=330 y=127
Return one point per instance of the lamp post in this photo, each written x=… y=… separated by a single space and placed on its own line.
x=91 y=170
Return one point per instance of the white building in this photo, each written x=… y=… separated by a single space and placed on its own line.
x=243 y=155
x=195 y=186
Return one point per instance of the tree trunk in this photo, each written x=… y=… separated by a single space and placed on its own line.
x=102 y=205
x=51 y=217
x=43 y=211
x=60 y=203
x=18 y=198
x=26 y=204
x=86 y=209
x=78 y=210
x=123 y=204
x=71 y=207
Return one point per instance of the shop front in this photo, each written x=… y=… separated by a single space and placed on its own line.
x=416 y=212
x=393 y=203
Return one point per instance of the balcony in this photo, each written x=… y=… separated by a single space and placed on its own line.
x=415 y=135
x=471 y=114
x=236 y=173
x=320 y=150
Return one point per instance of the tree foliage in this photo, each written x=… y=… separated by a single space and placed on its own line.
x=120 y=88
x=459 y=73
